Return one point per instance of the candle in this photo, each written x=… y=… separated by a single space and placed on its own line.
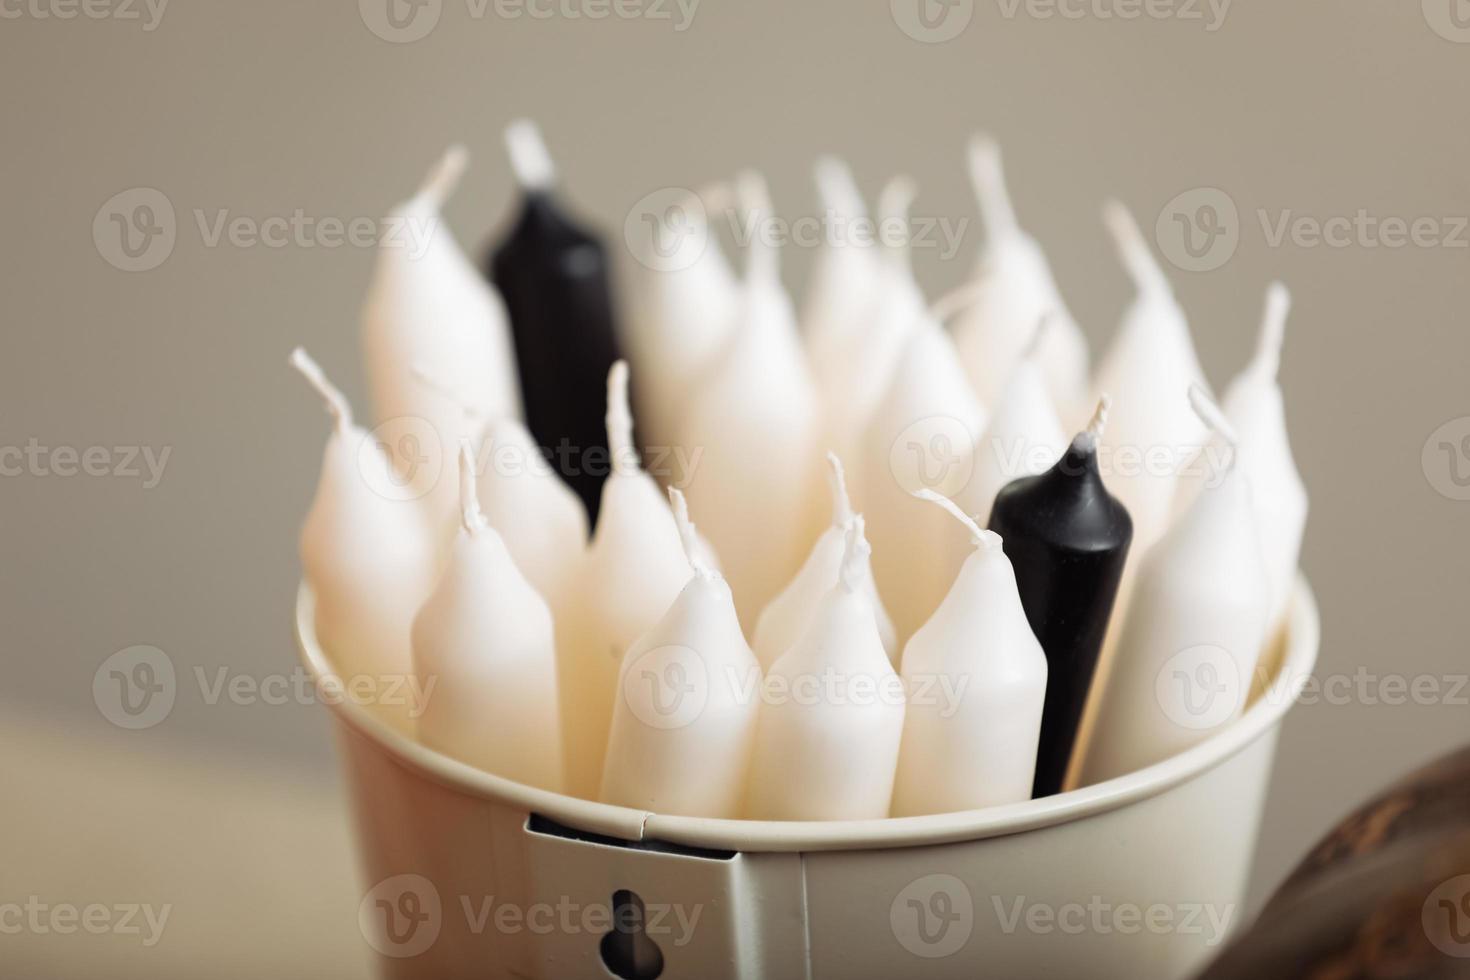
x=1151 y=433
x=685 y=716
x=1067 y=539
x=1191 y=638
x=553 y=274
x=428 y=306
x=1024 y=436
x=751 y=429
x=922 y=437
x=1012 y=289
x=827 y=741
x=684 y=300
x=976 y=678
x=788 y=616
x=633 y=570
x=484 y=653
x=365 y=555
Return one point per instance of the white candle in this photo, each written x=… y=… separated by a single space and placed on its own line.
x=1151 y=432
x=1024 y=436
x=976 y=677
x=634 y=569
x=922 y=436
x=428 y=306
x=685 y=715
x=830 y=722
x=484 y=653
x=1192 y=636
x=1013 y=288
x=367 y=558
x=753 y=424
x=683 y=304
x=788 y=616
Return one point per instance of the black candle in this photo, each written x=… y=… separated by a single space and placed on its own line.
x=1067 y=539
x=554 y=277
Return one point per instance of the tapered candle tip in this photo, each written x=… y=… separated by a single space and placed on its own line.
x=471 y=517
x=754 y=198
x=529 y=158
x=337 y=405
x=841 y=503
x=444 y=178
x=838 y=189
x=981 y=538
x=1133 y=248
x=1273 y=329
x=894 y=201
x=688 y=536
x=988 y=177
x=620 y=420
x=1209 y=413
x=854 y=557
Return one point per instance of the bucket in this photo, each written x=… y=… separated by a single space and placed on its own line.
x=471 y=875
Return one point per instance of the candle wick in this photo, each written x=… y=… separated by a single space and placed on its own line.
x=620 y=421
x=1099 y=421
x=1214 y=419
x=444 y=177
x=841 y=503
x=988 y=177
x=687 y=535
x=854 y=554
x=529 y=158
x=1133 y=249
x=982 y=539
x=471 y=517
x=762 y=262
x=1273 y=330
x=894 y=202
x=838 y=189
x=337 y=404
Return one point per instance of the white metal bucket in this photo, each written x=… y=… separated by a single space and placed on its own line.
x=472 y=875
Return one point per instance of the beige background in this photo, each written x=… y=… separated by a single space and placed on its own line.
x=1314 y=107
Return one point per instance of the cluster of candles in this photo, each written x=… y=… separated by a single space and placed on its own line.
x=1038 y=636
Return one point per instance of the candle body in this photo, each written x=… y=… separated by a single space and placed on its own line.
x=1190 y=639
x=685 y=714
x=554 y=278
x=484 y=652
x=830 y=722
x=1067 y=539
x=976 y=678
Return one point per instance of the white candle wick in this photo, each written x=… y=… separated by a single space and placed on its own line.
x=337 y=404
x=754 y=199
x=984 y=540
x=1214 y=419
x=1133 y=249
x=1273 y=330
x=988 y=177
x=841 y=503
x=894 y=202
x=687 y=535
x=471 y=517
x=444 y=177
x=1089 y=437
x=837 y=188
x=529 y=158
x=620 y=421
x=854 y=554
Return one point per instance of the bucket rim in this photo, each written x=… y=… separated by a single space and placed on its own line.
x=1264 y=714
